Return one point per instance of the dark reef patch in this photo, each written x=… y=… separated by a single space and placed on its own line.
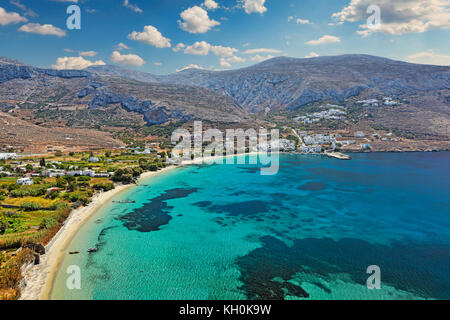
x=99 y=271
x=250 y=169
x=313 y=186
x=202 y=204
x=155 y=213
x=417 y=268
x=237 y=209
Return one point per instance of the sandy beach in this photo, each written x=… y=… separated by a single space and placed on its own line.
x=38 y=279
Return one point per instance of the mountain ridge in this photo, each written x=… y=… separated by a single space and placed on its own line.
x=333 y=78
x=276 y=91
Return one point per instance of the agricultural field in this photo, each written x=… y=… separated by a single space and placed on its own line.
x=30 y=215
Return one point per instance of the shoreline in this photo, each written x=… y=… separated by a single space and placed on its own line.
x=39 y=278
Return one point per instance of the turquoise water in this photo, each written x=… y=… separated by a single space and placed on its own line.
x=309 y=232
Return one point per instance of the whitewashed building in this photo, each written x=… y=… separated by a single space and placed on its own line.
x=7 y=156
x=25 y=181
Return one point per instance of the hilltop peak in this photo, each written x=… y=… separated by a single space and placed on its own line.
x=5 y=60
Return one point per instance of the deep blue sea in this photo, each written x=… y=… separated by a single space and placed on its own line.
x=309 y=232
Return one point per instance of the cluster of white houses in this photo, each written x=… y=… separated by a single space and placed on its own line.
x=84 y=172
x=8 y=155
x=317 y=143
x=387 y=101
x=313 y=143
x=27 y=181
x=332 y=114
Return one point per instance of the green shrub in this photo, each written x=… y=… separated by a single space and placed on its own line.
x=53 y=194
x=104 y=187
x=30 y=206
x=126 y=175
x=3 y=227
x=28 y=191
x=77 y=196
x=83 y=184
x=59 y=206
x=77 y=204
x=13 y=186
x=69 y=179
x=47 y=223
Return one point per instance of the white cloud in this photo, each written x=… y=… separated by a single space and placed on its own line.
x=303 y=21
x=191 y=66
x=179 y=47
x=87 y=53
x=227 y=62
x=324 y=40
x=210 y=4
x=312 y=55
x=130 y=6
x=76 y=63
x=10 y=17
x=254 y=6
x=122 y=46
x=430 y=57
x=21 y=6
x=158 y=64
x=196 y=20
x=127 y=59
x=150 y=36
x=261 y=50
x=259 y=58
x=200 y=48
x=68 y=50
x=236 y=59
x=223 y=51
x=44 y=29
x=299 y=20
x=398 y=17
x=224 y=63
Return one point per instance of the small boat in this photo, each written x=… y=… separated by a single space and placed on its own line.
x=74 y=252
x=92 y=249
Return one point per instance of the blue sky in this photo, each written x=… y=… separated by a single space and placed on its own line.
x=167 y=35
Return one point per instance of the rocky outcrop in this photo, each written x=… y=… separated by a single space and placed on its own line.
x=153 y=113
x=39 y=248
x=36 y=247
x=292 y=83
x=104 y=97
x=67 y=74
x=11 y=71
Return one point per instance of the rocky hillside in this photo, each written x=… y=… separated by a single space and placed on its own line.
x=291 y=83
x=278 y=91
x=27 y=86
